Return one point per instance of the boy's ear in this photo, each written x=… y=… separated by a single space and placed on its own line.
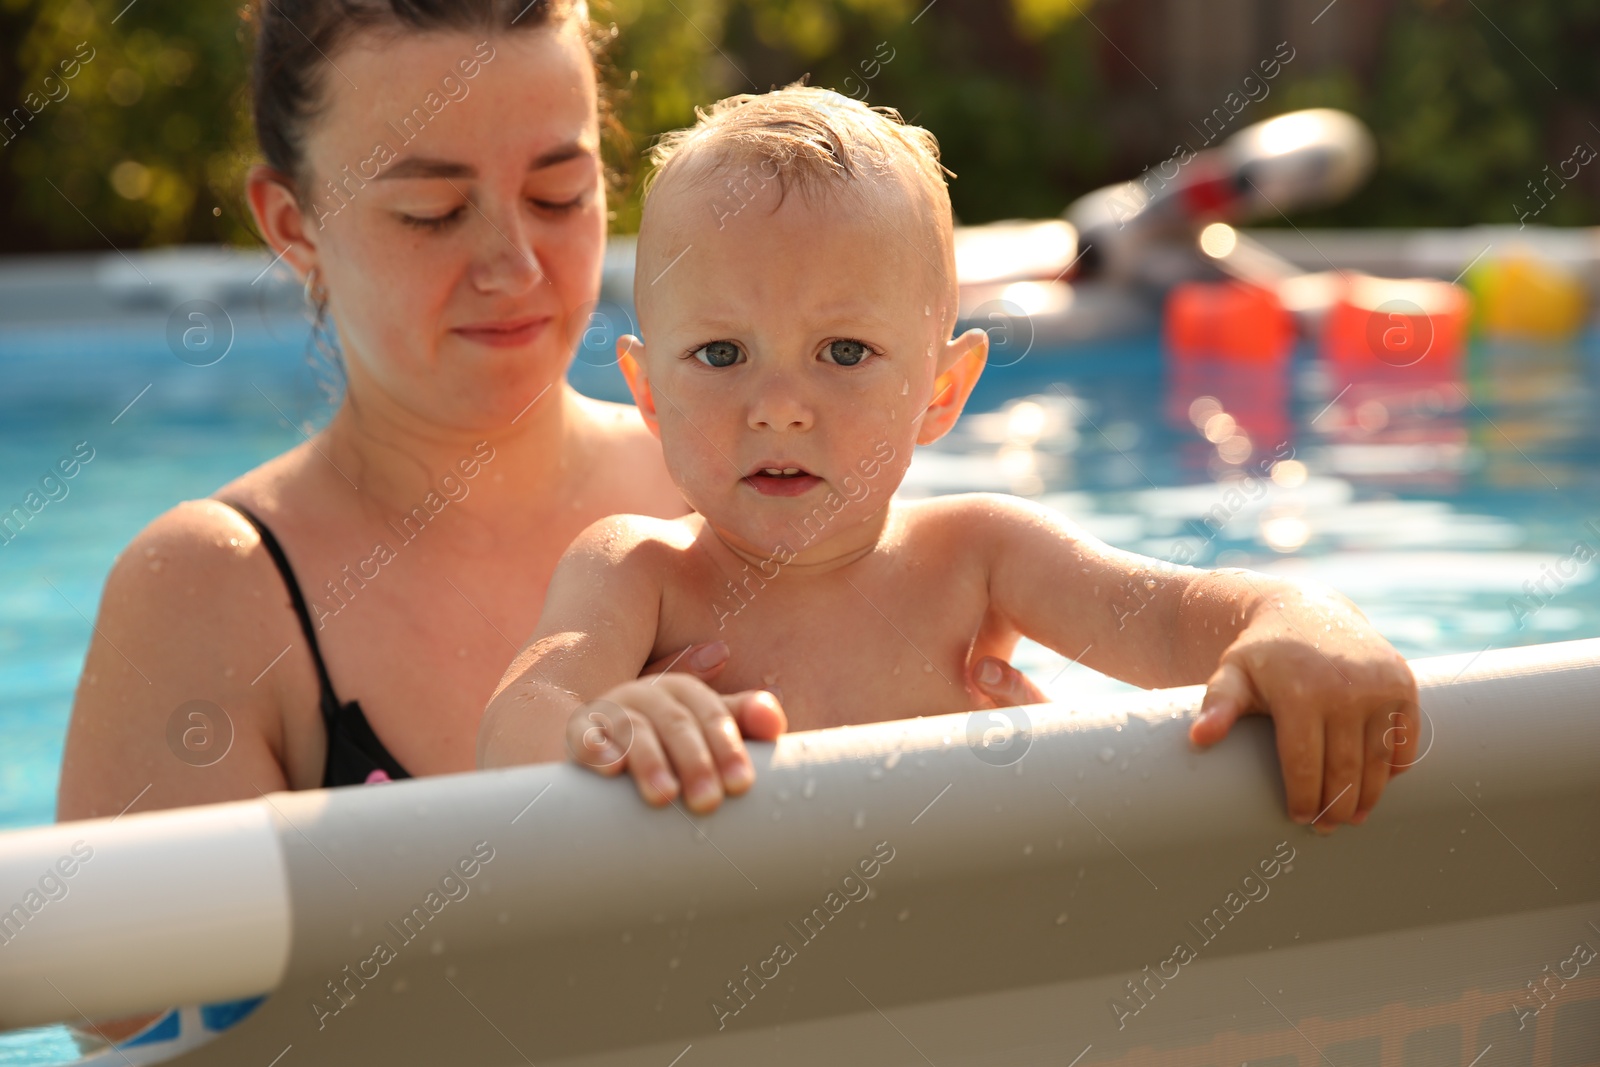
x=963 y=361
x=630 y=357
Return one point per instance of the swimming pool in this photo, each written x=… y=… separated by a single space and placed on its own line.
x=1459 y=513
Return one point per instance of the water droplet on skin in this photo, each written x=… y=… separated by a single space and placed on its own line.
x=927 y=668
x=227 y=672
x=450 y=971
x=627 y=937
x=860 y=822
x=896 y=669
x=155 y=566
x=399 y=985
x=1061 y=919
x=927 y=310
x=905 y=913
x=1027 y=850
x=875 y=774
x=889 y=764
x=809 y=790
x=905 y=387
x=1149 y=583
x=672 y=964
x=1107 y=754
x=438 y=946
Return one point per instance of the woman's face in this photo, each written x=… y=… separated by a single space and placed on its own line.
x=456 y=214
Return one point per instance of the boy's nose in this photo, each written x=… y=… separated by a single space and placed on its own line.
x=778 y=406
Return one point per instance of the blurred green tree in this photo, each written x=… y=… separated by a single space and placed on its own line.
x=153 y=137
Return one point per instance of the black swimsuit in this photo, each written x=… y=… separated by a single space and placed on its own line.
x=355 y=755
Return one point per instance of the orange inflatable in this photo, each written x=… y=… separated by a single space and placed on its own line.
x=1227 y=320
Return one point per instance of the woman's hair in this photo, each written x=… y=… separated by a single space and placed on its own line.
x=296 y=40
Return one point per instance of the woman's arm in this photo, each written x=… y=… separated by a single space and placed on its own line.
x=193 y=613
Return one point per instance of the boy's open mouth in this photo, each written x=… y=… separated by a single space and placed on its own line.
x=781 y=480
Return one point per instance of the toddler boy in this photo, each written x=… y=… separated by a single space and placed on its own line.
x=796 y=284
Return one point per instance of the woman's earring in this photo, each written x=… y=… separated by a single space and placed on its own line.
x=327 y=359
x=315 y=296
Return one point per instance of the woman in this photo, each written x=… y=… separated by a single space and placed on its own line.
x=432 y=171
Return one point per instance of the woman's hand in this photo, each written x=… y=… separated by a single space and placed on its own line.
x=705 y=661
x=1004 y=684
x=674 y=733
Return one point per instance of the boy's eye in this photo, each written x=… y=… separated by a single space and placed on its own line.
x=846 y=353
x=718 y=354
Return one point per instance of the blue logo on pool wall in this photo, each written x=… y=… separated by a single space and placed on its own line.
x=178 y=1031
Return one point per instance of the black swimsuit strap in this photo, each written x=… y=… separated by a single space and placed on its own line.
x=330 y=702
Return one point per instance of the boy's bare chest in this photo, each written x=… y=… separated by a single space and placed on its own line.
x=858 y=645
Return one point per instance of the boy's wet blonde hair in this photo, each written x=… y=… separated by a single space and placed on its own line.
x=810 y=140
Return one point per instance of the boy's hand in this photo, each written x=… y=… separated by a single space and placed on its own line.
x=672 y=732
x=1342 y=700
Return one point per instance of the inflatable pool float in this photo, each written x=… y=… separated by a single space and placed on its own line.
x=1056 y=884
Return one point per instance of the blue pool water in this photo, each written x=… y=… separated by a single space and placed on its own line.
x=1430 y=501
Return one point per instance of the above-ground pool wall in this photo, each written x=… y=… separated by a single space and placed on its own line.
x=900 y=893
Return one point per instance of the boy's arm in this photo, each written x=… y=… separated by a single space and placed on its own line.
x=596 y=632
x=576 y=688
x=1343 y=701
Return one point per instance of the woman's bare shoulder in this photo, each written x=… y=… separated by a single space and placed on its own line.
x=632 y=459
x=192 y=613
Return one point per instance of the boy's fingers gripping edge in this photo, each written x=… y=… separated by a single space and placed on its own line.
x=758 y=713
x=1342 y=778
x=1375 y=770
x=1300 y=754
x=700 y=736
x=1229 y=696
x=1403 y=722
x=600 y=735
x=647 y=762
